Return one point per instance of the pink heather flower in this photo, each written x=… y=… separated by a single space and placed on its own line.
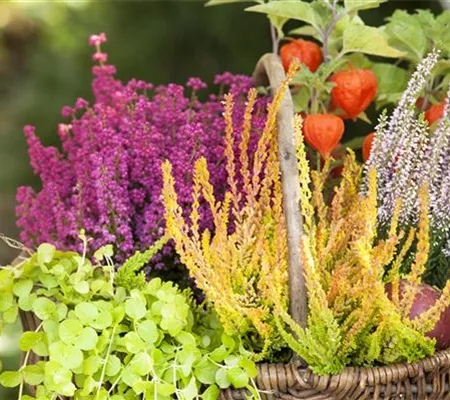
x=107 y=176
x=100 y=57
x=66 y=111
x=97 y=40
x=196 y=83
x=81 y=104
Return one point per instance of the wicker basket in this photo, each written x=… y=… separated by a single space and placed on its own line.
x=429 y=379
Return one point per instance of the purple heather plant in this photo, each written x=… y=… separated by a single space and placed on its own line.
x=107 y=178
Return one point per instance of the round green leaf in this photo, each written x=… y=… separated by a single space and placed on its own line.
x=33 y=374
x=113 y=365
x=133 y=343
x=30 y=339
x=148 y=331
x=141 y=364
x=87 y=339
x=82 y=287
x=44 y=308
x=237 y=377
x=69 y=330
x=86 y=312
x=10 y=379
x=135 y=308
x=45 y=253
x=23 y=288
x=68 y=356
x=222 y=379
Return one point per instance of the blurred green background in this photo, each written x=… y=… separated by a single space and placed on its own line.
x=45 y=64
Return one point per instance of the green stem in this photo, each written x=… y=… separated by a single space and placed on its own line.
x=318 y=162
x=102 y=376
x=25 y=362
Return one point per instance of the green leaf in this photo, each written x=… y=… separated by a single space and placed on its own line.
x=86 y=312
x=6 y=301
x=10 y=315
x=69 y=330
x=113 y=365
x=82 y=287
x=356 y=5
x=406 y=34
x=44 y=308
x=368 y=40
x=205 y=371
x=45 y=253
x=237 y=377
x=148 y=331
x=135 y=308
x=306 y=30
x=68 y=356
x=222 y=379
x=33 y=374
x=87 y=340
x=26 y=302
x=212 y=393
x=30 y=339
x=133 y=343
x=297 y=10
x=92 y=364
x=129 y=378
x=141 y=364
x=222 y=2
x=390 y=78
x=23 y=288
x=190 y=392
x=10 y=379
x=249 y=366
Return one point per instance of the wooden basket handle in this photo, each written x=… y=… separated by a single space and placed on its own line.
x=270 y=71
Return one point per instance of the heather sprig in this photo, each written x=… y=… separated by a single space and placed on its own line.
x=408 y=153
x=352 y=319
x=106 y=178
x=243 y=270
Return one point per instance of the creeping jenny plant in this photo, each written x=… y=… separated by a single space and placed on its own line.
x=106 y=335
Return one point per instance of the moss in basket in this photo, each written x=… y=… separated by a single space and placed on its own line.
x=114 y=336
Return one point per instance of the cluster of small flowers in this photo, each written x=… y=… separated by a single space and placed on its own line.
x=107 y=177
x=408 y=155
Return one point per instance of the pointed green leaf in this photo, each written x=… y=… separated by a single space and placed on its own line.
x=356 y=5
x=222 y=2
x=369 y=40
x=297 y=10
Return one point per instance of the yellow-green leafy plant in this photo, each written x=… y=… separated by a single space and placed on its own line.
x=352 y=317
x=242 y=265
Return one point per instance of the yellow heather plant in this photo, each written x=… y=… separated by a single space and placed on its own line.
x=242 y=266
x=352 y=318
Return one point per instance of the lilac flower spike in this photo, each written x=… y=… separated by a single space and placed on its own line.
x=407 y=155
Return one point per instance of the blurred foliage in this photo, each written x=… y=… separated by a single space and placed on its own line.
x=45 y=63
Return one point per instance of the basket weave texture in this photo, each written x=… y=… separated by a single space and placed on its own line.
x=429 y=379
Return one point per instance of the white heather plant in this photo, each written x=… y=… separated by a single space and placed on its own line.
x=107 y=335
x=408 y=153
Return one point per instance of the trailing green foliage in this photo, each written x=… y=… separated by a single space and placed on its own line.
x=130 y=275
x=108 y=341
